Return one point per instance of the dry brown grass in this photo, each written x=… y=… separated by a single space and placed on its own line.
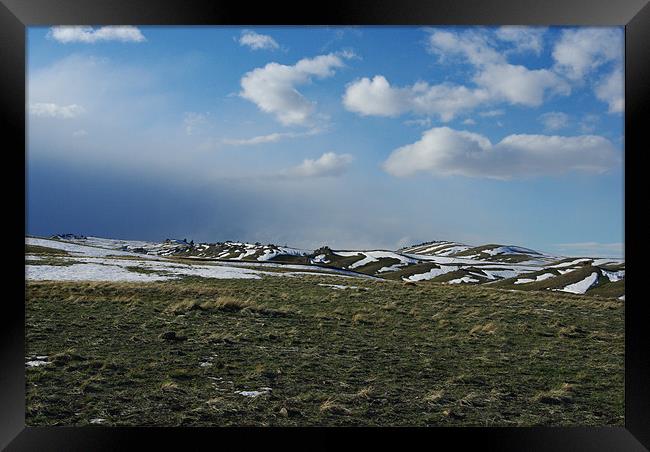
x=365 y=393
x=488 y=328
x=434 y=396
x=331 y=407
x=361 y=317
x=556 y=396
x=168 y=386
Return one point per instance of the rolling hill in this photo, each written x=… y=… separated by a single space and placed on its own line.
x=501 y=266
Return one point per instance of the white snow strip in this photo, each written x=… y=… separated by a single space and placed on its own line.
x=464 y=279
x=82 y=250
x=537 y=279
x=564 y=272
x=582 y=286
x=614 y=276
x=374 y=256
x=36 y=363
x=262 y=391
x=452 y=250
x=434 y=272
x=320 y=259
x=570 y=264
x=338 y=286
x=501 y=274
x=33 y=257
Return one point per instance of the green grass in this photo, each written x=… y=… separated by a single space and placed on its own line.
x=176 y=353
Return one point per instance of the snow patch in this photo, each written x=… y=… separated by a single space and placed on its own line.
x=262 y=391
x=537 y=279
x=464 y=279
x=613 y=276
x=581 y=286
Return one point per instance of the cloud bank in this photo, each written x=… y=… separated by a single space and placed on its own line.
x=446 y=151
x=494 y=78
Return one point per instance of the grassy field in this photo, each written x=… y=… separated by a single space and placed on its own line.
x=190 y=352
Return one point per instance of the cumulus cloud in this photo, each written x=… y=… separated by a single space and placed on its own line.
x=517 y=84
x=376 y=97
x=257 y=41
x=273 y=87
x=611 y=90
x=495 y=79
x=447 y=151
x=580 y=51
x=554 y=120
x=328 y=164
x=503 y=81
x=470 y=45
x=523 y=38
x=52 y=110
x=89 y=35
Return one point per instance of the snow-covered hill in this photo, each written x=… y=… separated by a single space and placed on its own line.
x=503 y=266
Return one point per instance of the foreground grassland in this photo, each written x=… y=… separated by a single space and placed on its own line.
x=181 y=353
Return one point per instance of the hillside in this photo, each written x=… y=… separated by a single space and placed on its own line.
x=504 y=266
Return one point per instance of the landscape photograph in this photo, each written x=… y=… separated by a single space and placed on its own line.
x=324 y=226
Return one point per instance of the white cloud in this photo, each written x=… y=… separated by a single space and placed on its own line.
x=503 y=82
x=580 y=51
x=377 y=97
x=328 y=164
x=524 y=39
x=496 y=80
x=257 y=41
x=269 y=138
x=447 y=151
x=89 y=35
x=611 y=90
x=519 y=85
x=470 y=45
x=469 y=122
x=515 y=84
x=273 y=87
x=260 y=139
x=554 y=120
x=52 y=110
x=80 y=133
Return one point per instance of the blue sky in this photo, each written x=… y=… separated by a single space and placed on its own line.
x=364 y=137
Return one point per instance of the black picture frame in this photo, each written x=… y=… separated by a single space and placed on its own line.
x=15 y=15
